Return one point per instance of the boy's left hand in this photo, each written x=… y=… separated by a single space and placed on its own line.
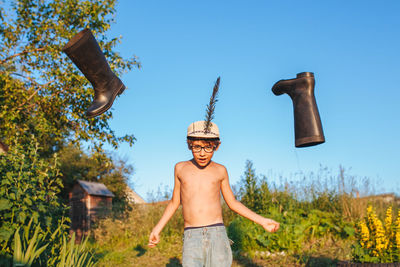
x=270 y=225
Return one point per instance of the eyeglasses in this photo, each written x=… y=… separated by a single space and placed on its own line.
x=208 y=149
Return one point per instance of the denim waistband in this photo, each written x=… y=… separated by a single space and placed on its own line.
x=206 y=226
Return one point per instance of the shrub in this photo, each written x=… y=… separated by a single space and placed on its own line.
x=28 y=248
x=377 y=241
x=313 y=215
x=296 y=227
x=29 y=191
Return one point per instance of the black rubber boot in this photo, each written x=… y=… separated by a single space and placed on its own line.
x=307 y=123
x=86 y=54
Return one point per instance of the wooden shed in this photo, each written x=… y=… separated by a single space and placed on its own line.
x=88 y=201
x=3 y=148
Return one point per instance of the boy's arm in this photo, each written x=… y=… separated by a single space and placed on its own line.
x=239 y=208
x=169 y=211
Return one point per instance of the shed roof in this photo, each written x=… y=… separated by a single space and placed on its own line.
x=97 y=189
x=133 y=197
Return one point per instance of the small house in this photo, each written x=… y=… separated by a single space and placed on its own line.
x=3 y=148
x=88 y=201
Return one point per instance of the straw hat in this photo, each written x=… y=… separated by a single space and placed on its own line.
x=196 y=129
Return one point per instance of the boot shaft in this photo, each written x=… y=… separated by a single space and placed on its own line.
x=86 y=54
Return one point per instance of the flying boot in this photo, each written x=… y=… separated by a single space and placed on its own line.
x=86 y=54
x=307 y=123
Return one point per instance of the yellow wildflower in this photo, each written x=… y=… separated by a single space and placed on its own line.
x=380 y=239
x=370 y=217
x=398 y=231
x=388 y=219
x=388 y=225
x=377 y=232
x=364 y=234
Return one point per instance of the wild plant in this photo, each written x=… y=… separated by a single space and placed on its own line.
x=309 y=211
x=29 y=190
x=28 y=249
x=377 y=241
x=73 y=254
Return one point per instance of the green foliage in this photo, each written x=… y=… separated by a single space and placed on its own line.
x=97 y=166
x=41 y=91
x=29 y=189
x=296 y=228
x=27 y=249
x=360 y=254
x=73 y=254
x=42 y=94
x=308 y=236
x=300 y=220
x=249 y=190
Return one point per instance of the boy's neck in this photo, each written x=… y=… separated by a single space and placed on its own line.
x=198 y=166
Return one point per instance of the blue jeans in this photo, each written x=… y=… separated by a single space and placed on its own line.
x=207 y=246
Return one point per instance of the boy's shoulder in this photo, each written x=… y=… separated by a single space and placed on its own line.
x=218 y=165
x=181 y=164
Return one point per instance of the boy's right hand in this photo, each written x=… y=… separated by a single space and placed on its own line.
x=154 y=239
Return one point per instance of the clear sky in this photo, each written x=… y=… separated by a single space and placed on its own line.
x=353 y=48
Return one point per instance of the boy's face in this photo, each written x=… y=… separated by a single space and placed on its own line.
x=202 y=152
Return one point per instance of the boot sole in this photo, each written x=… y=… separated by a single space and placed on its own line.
x=109 y=105
x=310 y=141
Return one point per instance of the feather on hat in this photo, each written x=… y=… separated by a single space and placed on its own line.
x=206 y=129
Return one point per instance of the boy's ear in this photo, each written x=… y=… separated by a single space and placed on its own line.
x=216 y=148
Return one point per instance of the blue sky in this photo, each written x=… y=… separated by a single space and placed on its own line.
x=351 y=46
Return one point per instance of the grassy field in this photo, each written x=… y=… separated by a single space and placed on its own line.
x=123 y=242
x=318 y=219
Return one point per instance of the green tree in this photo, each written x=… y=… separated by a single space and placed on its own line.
x=41 y=91
x=97 y=166
x=43 y=99
x=249 y=190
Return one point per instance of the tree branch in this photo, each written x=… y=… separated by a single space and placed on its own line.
x=22 y=53
x=34 y=93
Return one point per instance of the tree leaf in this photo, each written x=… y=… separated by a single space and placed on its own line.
x=5 y=204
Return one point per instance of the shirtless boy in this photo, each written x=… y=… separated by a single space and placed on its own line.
x=198 y=183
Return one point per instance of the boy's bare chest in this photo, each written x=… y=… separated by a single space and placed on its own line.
x=200 y=181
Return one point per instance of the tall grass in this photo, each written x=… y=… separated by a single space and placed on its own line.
x=340 y=192
x=317 y=211
x=118 y=241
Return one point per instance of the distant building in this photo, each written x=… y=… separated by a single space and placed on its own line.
x=386 y=198
x=88 y=201
x=3 y=148
x=133 y=197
